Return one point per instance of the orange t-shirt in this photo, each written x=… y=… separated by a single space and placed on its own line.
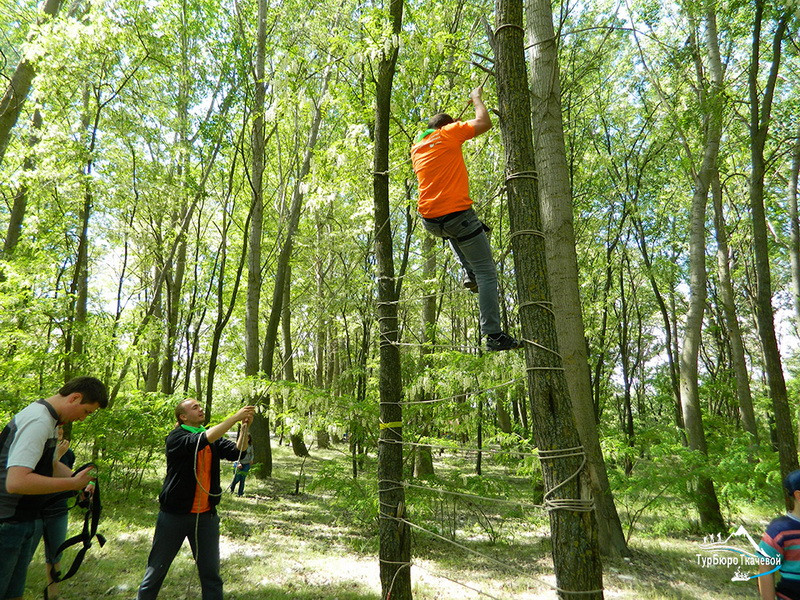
x=203 y=466
x=441 y=172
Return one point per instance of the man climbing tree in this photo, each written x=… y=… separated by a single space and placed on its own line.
x=446 y=209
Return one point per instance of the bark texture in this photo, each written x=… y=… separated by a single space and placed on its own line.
x=18 y=89
x=395 y=537
x=710 y=97
x=576 y=555
x=260 y=428
x=760 y=117
x=555 y=197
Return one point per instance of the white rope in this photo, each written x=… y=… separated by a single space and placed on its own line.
x=403 y=484
x=550 y=504
x=541 y=347
x=455 y=396
x=571 y=504
x=481 y=592
x=491 y=559
x=488 y=450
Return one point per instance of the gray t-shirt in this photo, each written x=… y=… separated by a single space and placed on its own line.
x=29 y=440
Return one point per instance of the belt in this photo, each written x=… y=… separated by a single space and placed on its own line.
x=445 y=218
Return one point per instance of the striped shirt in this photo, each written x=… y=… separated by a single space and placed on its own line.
x=781 y=541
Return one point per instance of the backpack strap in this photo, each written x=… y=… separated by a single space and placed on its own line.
x=91 y=520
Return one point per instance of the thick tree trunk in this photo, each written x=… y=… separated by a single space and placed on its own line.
x=555 y=196
x=503 y=418
x=262 y=448
x=760 y=111
x=710 y=93
x=395 y=536
x=576 y=555
x=18 y=89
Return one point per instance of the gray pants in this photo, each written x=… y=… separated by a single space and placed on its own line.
x=171 y=530
x=475 y=255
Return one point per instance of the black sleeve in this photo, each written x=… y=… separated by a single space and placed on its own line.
x=184 y=443
x=227 y=449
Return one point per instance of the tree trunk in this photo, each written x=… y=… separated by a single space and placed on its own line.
x=176 y=269
x=423 y=459
x=395 y=536
x=223 y=314
x=576 y=556
x=174 y=287
x=503 y=418
x=669 y=343
x=760 y=112
x=298 y=443
x=291 y=228
x=18 y=89
x=555 y=196
x=711 y=106
x=794 y=222
x=20 y=204
x=281 y=274
x=79 y=289
x=323 y=437
x=153 y=359
x=625 y=412
x=727 y=299
x=260 y=430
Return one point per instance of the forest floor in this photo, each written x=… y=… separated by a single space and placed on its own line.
x=278 y=545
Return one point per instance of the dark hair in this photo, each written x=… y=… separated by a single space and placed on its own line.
x=439 y=120
x=93 y=390
x=791 y=484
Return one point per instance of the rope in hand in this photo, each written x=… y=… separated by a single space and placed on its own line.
x=469 y=102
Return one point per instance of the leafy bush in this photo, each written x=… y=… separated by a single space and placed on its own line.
x=127 y=439
x=353 y=501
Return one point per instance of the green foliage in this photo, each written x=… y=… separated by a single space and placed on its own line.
x=128 y=438
x=147 y=111
x=353 y=501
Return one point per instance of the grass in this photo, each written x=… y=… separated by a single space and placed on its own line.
x=276 y=545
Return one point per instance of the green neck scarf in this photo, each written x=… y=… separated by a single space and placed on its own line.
x=423 y=135
x=191 y=429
